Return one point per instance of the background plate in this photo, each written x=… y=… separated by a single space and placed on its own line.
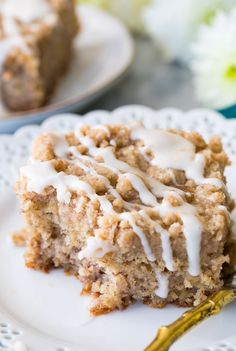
x=46 y=312
x=103 y=53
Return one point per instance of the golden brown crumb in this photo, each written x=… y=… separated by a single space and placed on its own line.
x=19 y=238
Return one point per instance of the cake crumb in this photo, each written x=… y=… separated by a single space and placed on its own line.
x=19 y=238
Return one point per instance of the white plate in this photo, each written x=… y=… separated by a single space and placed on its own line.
x=103 y=52
x=47 y=310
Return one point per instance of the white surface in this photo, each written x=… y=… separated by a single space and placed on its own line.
x=103 y=52
x=47 y=310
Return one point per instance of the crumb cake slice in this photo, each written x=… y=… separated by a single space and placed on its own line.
x=36 y=38
x=135 y=213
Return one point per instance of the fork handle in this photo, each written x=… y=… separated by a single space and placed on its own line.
x=167 y=335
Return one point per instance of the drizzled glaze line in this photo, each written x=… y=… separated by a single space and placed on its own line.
x=145 y=195
x=165 y=241
x=163 y=285
x=162 y=144
x=192 y=229
x=95 y=247
x=109 y=158
x=129 y=217
x=41 y=175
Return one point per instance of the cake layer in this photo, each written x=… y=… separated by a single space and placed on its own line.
x=135 y=213
x=36 y=46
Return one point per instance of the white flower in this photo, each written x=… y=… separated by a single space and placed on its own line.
x=173 y=23
x=129 y=11
x=214 y=62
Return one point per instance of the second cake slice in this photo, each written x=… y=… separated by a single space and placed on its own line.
x=36 y=39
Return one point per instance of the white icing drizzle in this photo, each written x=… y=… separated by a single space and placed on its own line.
x=109 y=158
x=227 y=213
x=165 y=241
x=95 y=247
x=85 y=140
x=163 y=285
x=113 y=142
x=192 y=229
x=143 y=150
x=170 y=150
x=74 y=151
x=41 y=175
x=61 y=147
x=145 y=195
x=129 y=217
x=89 y=159
x=92 y=171
x=157 y=187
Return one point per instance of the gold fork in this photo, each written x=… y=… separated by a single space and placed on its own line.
x=167 y=335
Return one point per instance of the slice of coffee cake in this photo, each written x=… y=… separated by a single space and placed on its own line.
x=135 y=213
x=36 y=38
